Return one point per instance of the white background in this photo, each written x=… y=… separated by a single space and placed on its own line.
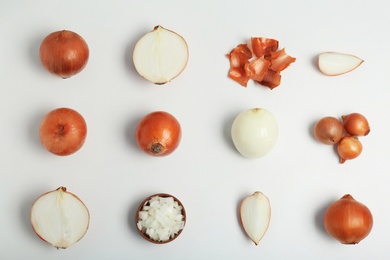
x=112 y=176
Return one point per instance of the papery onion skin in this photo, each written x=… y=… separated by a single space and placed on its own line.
x=349 y=148
x=158 y=133
x=64 y=53
x=356 y=124
x=328 y=130
x=348 y=220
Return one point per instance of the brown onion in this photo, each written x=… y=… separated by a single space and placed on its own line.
x=158 y=133
x=328 y=130
x=64 y=53
x=349 y=148
x=348 y=220
x=356 y=124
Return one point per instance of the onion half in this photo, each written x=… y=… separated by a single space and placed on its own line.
x=160 y=55
x=60 y=218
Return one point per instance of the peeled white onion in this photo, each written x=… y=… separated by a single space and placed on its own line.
x=254 y=132
x=255 y=216
x=160 y=55
x=60 y=218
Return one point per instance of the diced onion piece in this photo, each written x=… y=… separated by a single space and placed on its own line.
x=161 y=218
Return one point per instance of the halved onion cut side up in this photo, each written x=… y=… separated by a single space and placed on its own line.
x=160 y=55
x=255 y=216
x=261 y=62
x=60 y=218
x=334 y=63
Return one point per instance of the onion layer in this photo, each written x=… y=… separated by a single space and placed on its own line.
x=348 y=220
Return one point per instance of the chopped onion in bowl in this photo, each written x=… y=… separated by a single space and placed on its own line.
x=161 y=218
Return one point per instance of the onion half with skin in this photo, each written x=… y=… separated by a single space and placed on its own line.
x=60 y=218
x=254 y=132
x=160 y=55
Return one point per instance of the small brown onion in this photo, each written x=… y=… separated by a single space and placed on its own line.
x=356 y=124
x=348 y=220
x=158 y=133
x=64 y=53
x=349 y=148
x=328 y=130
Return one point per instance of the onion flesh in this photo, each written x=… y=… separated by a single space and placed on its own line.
x=160 y=55
x=254 y=132
x=161 y=218
x=255 y=216
x=348 y=220
x=60 y=218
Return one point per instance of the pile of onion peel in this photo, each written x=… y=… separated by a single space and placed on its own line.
x=261 y=62
x=345 y=135
x=255 y=216
x=335 y=63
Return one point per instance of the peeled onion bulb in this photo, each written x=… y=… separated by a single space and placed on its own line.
x=59 y=218
x=160 y=55
x=255 y=216
x=254 y=132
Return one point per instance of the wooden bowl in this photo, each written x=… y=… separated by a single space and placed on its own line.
x=144 y=202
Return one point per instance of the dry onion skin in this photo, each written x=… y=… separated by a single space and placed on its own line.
x=160 y=218
x=255 y=216
x=60 y=218
x=64 y=53
x=160 y=55
x=348 y=220
x=261 y=61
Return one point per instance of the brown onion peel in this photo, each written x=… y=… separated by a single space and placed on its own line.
x=158 y=133
x=348 y=220
x=349 y=148
x=64 y=53
x=328 y=130
x=356 y=124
